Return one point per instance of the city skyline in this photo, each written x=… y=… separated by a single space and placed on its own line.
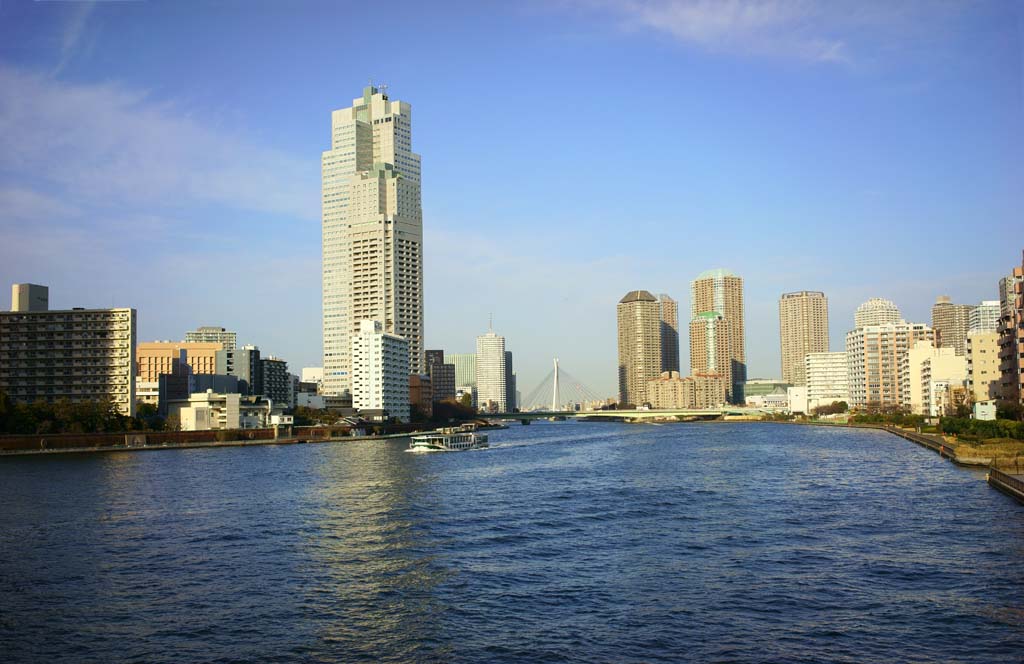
x=237 y=162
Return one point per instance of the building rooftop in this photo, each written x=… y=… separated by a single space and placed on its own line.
x=638 y=296
x=716 y=273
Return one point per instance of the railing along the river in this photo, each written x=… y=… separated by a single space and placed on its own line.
x=1006 y=483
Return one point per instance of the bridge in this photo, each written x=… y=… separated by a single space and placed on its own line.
x=560 y=389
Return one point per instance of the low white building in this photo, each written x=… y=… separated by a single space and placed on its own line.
x=798 y=399
x=209 y=410
x=380 y=371
x=827 y=377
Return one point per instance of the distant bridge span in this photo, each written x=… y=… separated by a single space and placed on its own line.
x=634 y=415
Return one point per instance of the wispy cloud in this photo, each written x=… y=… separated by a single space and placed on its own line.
x=105 y=142
x=71 y=38
x=773 y=27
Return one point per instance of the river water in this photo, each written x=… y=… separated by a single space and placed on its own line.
x=563 y=542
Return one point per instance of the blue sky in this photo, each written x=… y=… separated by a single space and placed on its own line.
x=165 y=156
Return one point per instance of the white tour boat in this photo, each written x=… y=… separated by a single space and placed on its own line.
x=449 y=439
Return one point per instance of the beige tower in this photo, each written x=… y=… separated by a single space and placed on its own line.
x=639 y=320
x=951 y=322
x=711 y=348
x=372 y=232
x=803 y=329
x=669 y=310
x=721 y=291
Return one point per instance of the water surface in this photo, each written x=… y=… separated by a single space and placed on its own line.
x=563 y=542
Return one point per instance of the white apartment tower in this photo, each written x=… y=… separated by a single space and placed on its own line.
x=876 y=311
x=372 y=232
x=490 y=373
x=380 y=371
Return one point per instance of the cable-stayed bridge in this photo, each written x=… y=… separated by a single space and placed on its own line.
x=559 y=391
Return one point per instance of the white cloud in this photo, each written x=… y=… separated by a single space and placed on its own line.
x=105 y=142
x=74 y=30
x=785 y=28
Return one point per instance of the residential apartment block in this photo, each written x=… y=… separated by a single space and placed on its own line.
x=670 y=391
x=380 y=371
x=983 y=365
x=669 y=312
x=828 y=377
x=1011 y=336
x=711 y=350
x=638 y=316
x=372 y=232
x=875 y=354
x=213 y=335
x=77 y=354
x=951 y=322
x=721 y=291
x=803 y=329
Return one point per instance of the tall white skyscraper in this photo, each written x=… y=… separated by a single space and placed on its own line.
x=491 y=383
x=876 y=311
x=372 y=232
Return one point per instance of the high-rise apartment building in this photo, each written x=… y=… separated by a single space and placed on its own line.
x=77 y=354
x=1011 y=336
x=951 y=322
x=876 y=311
x=213 y=335
x=639 y=334
x=491 y=380
x=722 y=291
x=465 y=371
x=827 y=377
x=984 y=317
x=380 y=371
x=875 y=355
x=669 y=310
x=710 y=349
x=671 y=391
x=803 y=329
x=372 y=232
x=983 y=365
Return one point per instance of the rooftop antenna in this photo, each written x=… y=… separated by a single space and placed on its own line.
x=490 y=322
x=383 y=87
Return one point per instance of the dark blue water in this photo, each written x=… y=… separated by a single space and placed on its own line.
x=564 y=542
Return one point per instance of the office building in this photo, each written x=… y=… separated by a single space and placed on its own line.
x=639 y=336
x=950 y=322
x=875 y=356
x=803 y=329
x=491 y=381
x=421 y=394
x=372 y=232
x=710 y=350
x=154 y=358
x=983 y=365
x=380 y=371
x=827 y=377
x=721 y=291
x=876 y=311
x=669 y=310
x=465 y=369
x=984 y=317
x=243 y=364
x=213 y=335
x=442 y=376
x=510 y=383
x=77 y=354
x=1011 y=336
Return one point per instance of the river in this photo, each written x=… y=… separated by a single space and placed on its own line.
x=583 y=542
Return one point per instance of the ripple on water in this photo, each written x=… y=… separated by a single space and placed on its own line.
x=563 y=542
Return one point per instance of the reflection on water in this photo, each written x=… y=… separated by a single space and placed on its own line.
x=563 y=541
